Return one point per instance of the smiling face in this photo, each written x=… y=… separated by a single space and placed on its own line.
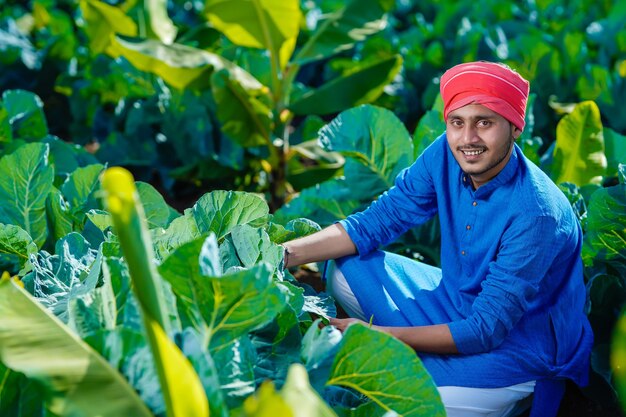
x=481 y=141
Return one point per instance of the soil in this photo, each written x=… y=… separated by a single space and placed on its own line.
x=574 y=404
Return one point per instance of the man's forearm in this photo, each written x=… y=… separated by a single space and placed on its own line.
x=329 y=243
x=433 y=339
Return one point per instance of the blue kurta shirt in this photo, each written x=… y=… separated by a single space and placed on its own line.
x=511 y=285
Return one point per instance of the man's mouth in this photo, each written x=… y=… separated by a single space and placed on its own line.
x=472 y=152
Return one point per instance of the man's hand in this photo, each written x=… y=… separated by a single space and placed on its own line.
x=342 y=324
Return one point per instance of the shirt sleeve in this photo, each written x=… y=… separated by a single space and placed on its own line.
x=526 y=252
x=411 y=201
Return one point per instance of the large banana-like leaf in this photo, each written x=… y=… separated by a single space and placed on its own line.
x=103 y=21
x=179 y=65
x=579 y=152
x=339 y=31
x=267 y=24
x=160 y=22
x=78 y=379
x=243 y=114
x=359 y=87
x=182 y=390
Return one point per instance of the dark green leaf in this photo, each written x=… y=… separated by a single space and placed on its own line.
x=14 y=241
x=242 y=112
x=605 y=240
x=25 y=112
x=340 y=30
x=362 y=86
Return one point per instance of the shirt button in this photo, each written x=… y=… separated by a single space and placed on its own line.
x=464 y=178
x=474 y=204
x=463 y=252
x=468 y=227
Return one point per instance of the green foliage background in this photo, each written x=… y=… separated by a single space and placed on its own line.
x=315 y=106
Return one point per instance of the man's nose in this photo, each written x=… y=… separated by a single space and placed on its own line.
x=470 y=134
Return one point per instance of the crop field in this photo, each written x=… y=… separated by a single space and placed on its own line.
x=155 y=154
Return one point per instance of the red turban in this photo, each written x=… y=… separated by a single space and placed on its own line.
x=495 y=86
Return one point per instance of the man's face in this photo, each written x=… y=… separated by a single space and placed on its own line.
x=481 y=141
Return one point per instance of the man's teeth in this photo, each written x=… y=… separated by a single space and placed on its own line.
x=472 y=153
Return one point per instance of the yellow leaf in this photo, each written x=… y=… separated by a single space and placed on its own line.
x=182 y=389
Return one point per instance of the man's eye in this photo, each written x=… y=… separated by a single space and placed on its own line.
x=484 y=123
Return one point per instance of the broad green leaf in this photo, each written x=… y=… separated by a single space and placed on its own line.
x=181 y=230
x=60 y=218
x=104 y=21
x=321 y=305
x=308 y=164
x=14 y=241
x=376 y=145
x=205 y=366
x=154 y=206
x=236 y=370
x=25 y=113
x=230 y=305
x=179 y=65
x=92 y=312
x=396 y=380
x=67 y=157
x=362 y=86
x=127 y=351
x=293 y=229
x=253 y=245
x=429 y=128
x=579 y=152
x=220 y=211
x=605 y=237
x=267 y=24
x=160 y=22
x=340 y=30
x=325 y=203
x=319 y=347
x=244 y=116
x=101 y=219
x=81 y=185
x=54 y=280
x=181 y=386
x=595 y=84
x=25 y=181
x=615 y=148
x=34 y=342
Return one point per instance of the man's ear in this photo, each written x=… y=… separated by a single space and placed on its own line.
x=516 y=132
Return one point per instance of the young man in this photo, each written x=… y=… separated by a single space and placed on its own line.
x=505 y=311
